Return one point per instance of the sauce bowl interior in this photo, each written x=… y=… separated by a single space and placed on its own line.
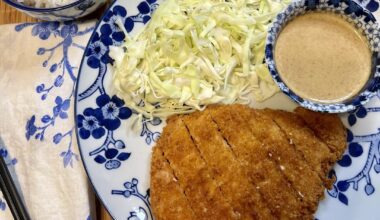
x=352 y=12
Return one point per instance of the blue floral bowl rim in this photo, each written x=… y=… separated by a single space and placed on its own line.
x=345 y=106
x=21 y=6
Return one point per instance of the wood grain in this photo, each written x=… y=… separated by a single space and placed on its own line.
x=9 y=15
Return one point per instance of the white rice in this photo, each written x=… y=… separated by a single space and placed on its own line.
x=46 y=3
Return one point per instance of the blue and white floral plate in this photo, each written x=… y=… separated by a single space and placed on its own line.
x=117 y=158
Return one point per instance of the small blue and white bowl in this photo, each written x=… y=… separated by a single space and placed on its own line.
x=353 y=13
x=67 y=12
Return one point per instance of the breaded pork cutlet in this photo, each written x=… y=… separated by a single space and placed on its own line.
x=235 y=186
x=234 y=162
x=263 y=173
x=315 y=151
x=328 y=127
x=169 y=201
x=193 y=174
x=305 y=181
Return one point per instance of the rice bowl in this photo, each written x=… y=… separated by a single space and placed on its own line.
x=46 y=3
x=56 y=10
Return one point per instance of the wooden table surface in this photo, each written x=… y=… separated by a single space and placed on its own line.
x=9 y=15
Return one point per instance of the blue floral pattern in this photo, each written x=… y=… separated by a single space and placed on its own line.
x=99 y=121
x=355 y=150
x=110 y=111
x=64 y=73
x=139 y=214
x=89 y=125
x=3 y=205
x=149 y=135
x=371 y=5
x=9 y=162
x=132 y=190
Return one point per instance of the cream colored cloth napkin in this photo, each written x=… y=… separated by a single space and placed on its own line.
x=39 y=63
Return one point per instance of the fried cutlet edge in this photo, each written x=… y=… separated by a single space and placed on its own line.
x=328 y=127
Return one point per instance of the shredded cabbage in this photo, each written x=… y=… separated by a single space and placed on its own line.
x=194 y=53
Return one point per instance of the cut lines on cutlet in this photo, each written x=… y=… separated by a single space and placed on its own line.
x=181 y=187
x=212 y=175
x=168 y=198
x=159 y=148
x=306 y=144
x=286 y=163
x=291 y=143
x=234 y=184
x=262 y=172
x=226 y=141
x=306 y=182
x=193 y=174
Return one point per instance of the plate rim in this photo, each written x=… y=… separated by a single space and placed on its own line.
x=76 y=109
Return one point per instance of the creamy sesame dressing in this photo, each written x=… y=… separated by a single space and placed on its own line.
x=322 y=57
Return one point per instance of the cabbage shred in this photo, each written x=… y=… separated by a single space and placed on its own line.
x=194 y=53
